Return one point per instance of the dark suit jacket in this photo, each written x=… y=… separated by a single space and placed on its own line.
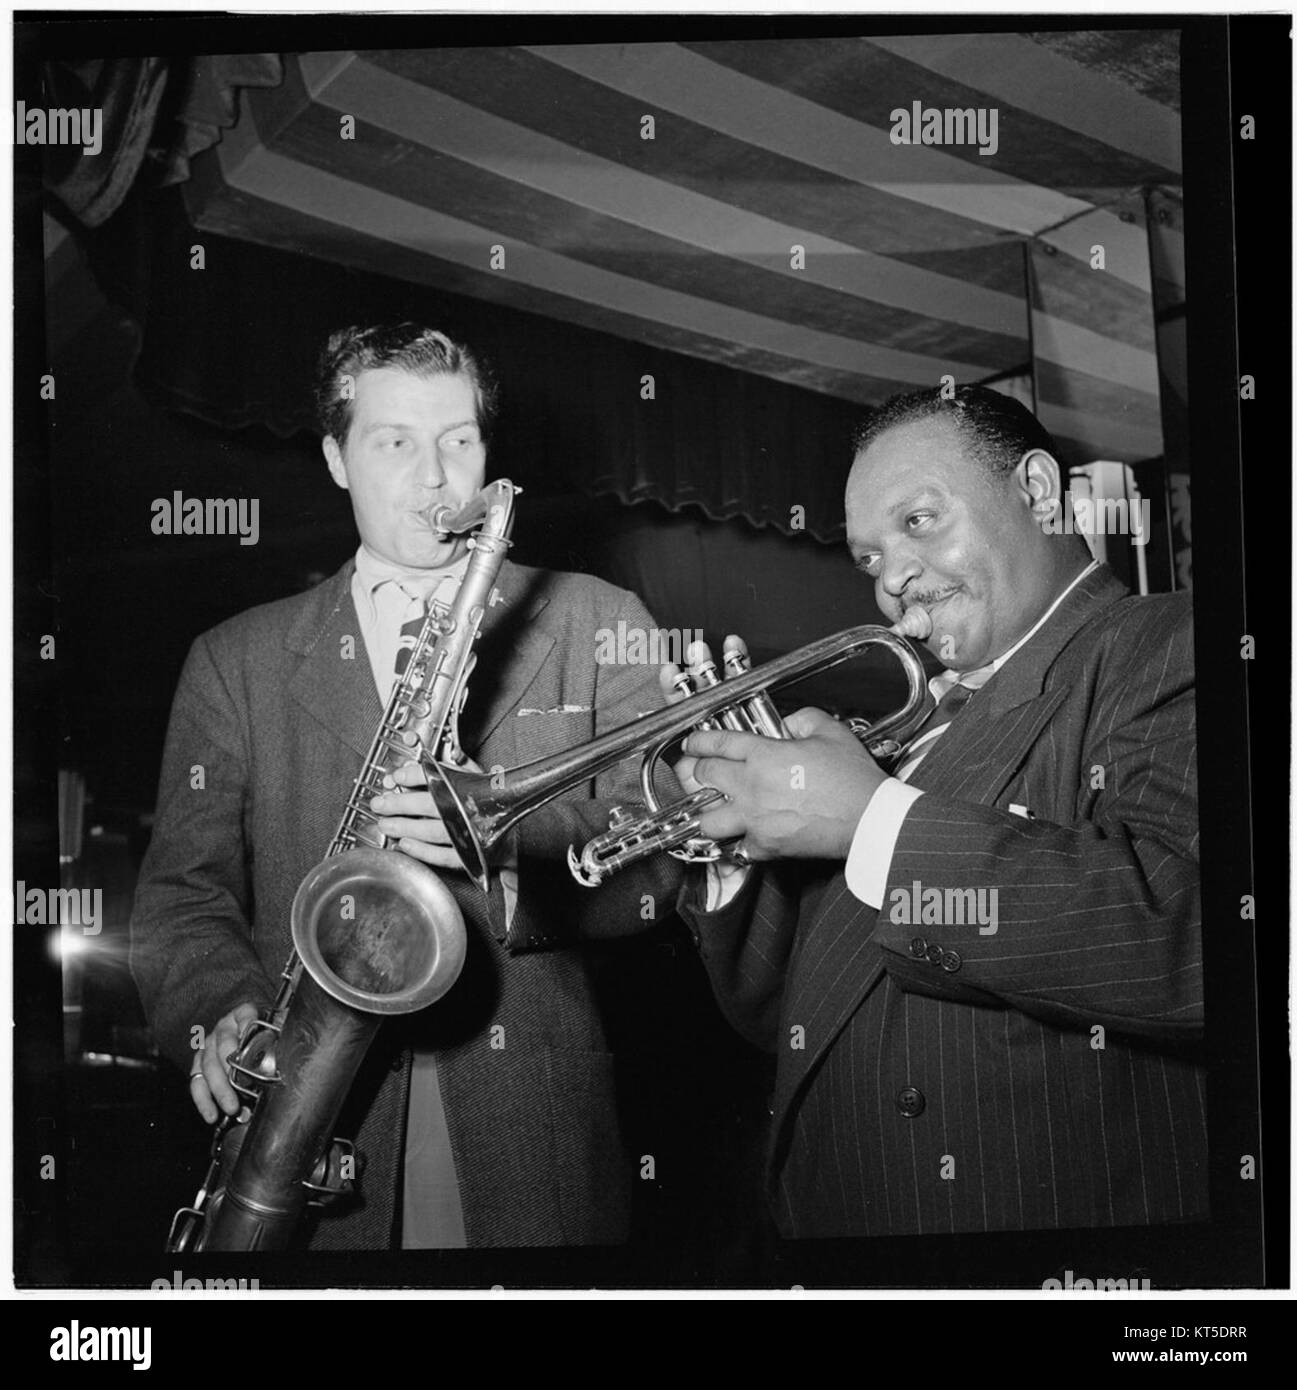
x=1041 y=1076
x=278 y=709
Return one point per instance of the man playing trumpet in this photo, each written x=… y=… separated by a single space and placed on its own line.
x=980 y=974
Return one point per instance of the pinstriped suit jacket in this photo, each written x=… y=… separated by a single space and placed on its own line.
x=1044 y=1075
x=279 y=713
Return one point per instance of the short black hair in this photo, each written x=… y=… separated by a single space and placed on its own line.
x=411 y=346
x=997 y=428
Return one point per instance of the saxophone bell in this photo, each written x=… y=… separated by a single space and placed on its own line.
x=378 y=931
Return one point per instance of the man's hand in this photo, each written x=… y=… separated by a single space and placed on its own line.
x=797 y=798
x=410 y=819
x=209 y=1086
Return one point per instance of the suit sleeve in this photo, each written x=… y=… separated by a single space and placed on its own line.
x=191 y=949
x=745 y=945
x=1097 y=921
x=635 y=899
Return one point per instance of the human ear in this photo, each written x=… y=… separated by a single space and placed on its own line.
x=337 y=469
x=1040 y=482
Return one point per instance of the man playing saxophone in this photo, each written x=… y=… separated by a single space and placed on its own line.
x=981 y=974
x=487 y=1119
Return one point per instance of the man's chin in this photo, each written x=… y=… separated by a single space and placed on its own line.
x=956 y=649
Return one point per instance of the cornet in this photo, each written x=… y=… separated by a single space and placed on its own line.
x=479 y=808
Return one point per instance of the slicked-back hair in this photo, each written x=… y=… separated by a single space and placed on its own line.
x=413 y=348
x=997 y=429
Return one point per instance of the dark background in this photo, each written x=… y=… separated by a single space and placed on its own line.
x=132 y=421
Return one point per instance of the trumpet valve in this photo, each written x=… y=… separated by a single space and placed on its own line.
x=736 y=662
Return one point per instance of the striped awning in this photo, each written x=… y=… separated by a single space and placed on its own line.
x=745 y=202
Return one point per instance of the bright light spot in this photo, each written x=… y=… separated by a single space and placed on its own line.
x=68 y=943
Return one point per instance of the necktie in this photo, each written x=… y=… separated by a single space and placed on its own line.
x=409 y=634
x=419 y=596
x=938 y=722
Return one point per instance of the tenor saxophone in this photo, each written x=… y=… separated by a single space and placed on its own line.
x=375 y=933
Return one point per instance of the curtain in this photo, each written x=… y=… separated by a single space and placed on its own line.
x=156 y=113
x=231 y=330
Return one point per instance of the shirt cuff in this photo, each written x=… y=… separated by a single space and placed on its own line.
x=506 y=868
x=724 y=879
x=874 y=842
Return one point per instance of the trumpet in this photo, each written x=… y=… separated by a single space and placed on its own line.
x=479 y=808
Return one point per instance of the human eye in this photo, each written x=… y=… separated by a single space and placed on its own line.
x=919 y=518
x=461 y=439
x=868 y=564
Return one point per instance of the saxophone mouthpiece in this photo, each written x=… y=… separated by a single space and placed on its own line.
x=915 y=623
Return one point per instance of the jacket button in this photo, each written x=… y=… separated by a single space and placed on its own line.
x=910 y=1101
x=918 y=948
x=951 y=961
x=935 y=954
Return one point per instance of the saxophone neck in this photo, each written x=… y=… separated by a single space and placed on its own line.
x=491 y=509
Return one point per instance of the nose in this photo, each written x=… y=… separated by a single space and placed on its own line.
x=899 y=568
x=429 y=468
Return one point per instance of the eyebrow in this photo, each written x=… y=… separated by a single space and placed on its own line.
x=911 y=500
x=402 y=425
x=861 y=548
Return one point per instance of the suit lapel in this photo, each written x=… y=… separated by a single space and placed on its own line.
x=335 y=688
x=834 y=964
x=511 y=650
x=338 y=691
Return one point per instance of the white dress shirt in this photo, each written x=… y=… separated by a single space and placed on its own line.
x=874 y=842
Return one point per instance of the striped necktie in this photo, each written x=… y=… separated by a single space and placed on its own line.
x=940 y=720
x=419 y=597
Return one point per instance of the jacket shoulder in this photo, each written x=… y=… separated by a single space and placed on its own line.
x=563 y=589
x=1134 y=640
x=294 y=619
x=1137 y=622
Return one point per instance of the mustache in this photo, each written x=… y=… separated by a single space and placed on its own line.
x=927 y=599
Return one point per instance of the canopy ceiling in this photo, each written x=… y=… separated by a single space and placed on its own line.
x=918 y=260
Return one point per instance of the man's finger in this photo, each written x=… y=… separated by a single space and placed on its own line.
x=697 y=654
x=674 y=684
x=218 y=1082
x=435 y=856
x=810 y=721
x=715 y=772
x=721 y=821
x=407 y=775
x=431 y=831
x=720 y=743
x=734 y=643
x=399 y=802
x=201 y=1095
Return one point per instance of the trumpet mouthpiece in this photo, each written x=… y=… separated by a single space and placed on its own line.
x=915 y=623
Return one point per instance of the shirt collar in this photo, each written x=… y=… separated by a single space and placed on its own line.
x=978 y=677
x=372 y=571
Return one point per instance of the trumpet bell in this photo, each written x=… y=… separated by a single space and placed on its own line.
x=378 y=931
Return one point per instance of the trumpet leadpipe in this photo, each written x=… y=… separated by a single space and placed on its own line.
x=478 y=809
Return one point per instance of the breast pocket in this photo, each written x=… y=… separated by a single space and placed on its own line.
x=538 y=733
